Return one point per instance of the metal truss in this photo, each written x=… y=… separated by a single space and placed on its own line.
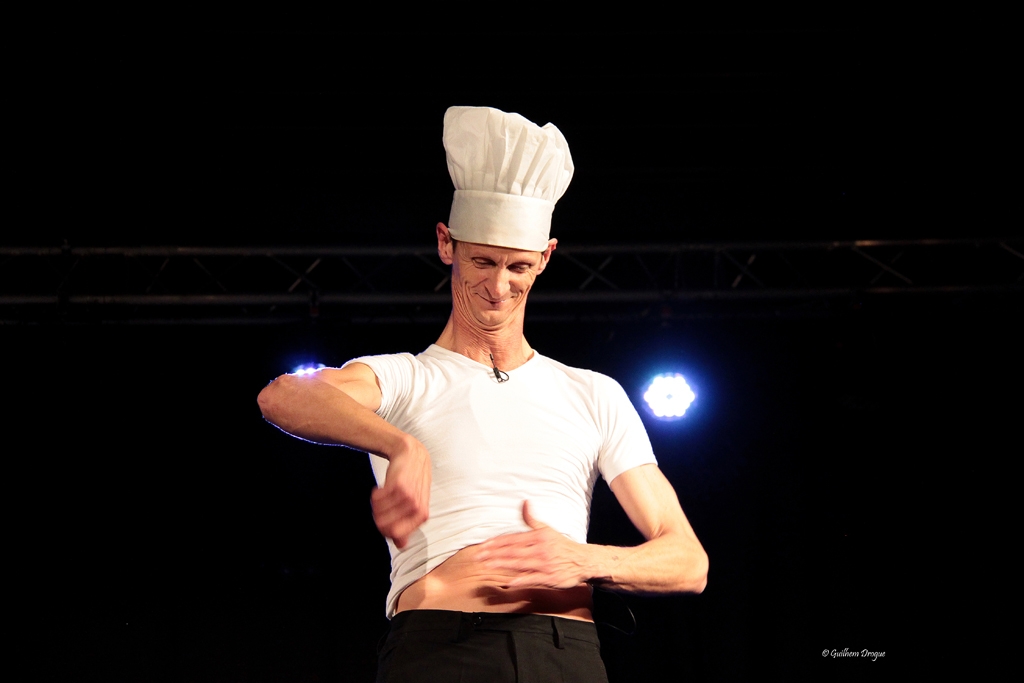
x=396 y=284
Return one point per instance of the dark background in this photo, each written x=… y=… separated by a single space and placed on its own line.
x=844 y=470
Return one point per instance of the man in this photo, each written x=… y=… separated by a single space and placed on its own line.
x=486 y=452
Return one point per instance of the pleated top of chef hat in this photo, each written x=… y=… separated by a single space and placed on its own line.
x=508 y=173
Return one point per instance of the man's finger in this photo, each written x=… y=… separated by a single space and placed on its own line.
x=386 y=500
x=396 y=516
x=530 y=520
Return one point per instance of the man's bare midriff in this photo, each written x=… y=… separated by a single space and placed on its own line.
x=463 y=584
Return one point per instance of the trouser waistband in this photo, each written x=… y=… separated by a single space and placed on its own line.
x=461 y=624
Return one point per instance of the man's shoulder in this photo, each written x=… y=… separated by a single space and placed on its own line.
x=598 y=380
x=432 y=361
x=401 y=356
x=382 y=358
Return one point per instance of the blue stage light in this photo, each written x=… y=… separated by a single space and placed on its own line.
x=307 y=369
x=668 y=396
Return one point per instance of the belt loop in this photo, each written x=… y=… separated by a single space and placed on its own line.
x=468 y=623
x=462 y=628
x=558 y=634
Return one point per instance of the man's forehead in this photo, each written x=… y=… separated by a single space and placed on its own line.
x=476 y=250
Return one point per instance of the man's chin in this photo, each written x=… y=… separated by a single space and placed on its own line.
x=493 y=318
x=496 y=316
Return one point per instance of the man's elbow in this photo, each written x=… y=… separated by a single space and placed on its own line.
x=697 y=577
x=270 y=399
x=701 y=576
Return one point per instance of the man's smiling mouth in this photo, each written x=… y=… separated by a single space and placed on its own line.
x=495 y=301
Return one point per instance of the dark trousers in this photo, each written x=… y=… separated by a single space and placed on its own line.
x=458 y=647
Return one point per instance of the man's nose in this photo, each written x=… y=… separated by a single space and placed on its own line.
x=498 y=284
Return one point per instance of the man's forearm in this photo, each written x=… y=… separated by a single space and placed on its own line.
x=669 y=564
x=316 y=411
x=672 y=561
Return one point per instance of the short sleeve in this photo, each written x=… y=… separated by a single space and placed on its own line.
x=394 y=375
x=625 y=443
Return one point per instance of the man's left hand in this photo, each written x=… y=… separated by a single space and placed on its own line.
x=539 y=557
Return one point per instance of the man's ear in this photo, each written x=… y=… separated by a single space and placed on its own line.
x=444 y=244
x=545 y=255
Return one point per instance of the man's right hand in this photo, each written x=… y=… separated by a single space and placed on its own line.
x=403 y=503
x=337 y=406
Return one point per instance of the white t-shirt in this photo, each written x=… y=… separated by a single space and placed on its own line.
x=543 y=436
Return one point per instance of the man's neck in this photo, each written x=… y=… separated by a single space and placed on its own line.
x=506 y=344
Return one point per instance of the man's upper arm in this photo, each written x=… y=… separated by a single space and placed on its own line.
x=651 y=502
x=355 y=379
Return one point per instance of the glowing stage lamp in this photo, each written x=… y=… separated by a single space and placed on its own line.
x=668 y=396
x=307 y=369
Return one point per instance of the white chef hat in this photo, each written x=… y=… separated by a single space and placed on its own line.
x=508 y=174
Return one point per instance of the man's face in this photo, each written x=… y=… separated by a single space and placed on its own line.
x=490 y=284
